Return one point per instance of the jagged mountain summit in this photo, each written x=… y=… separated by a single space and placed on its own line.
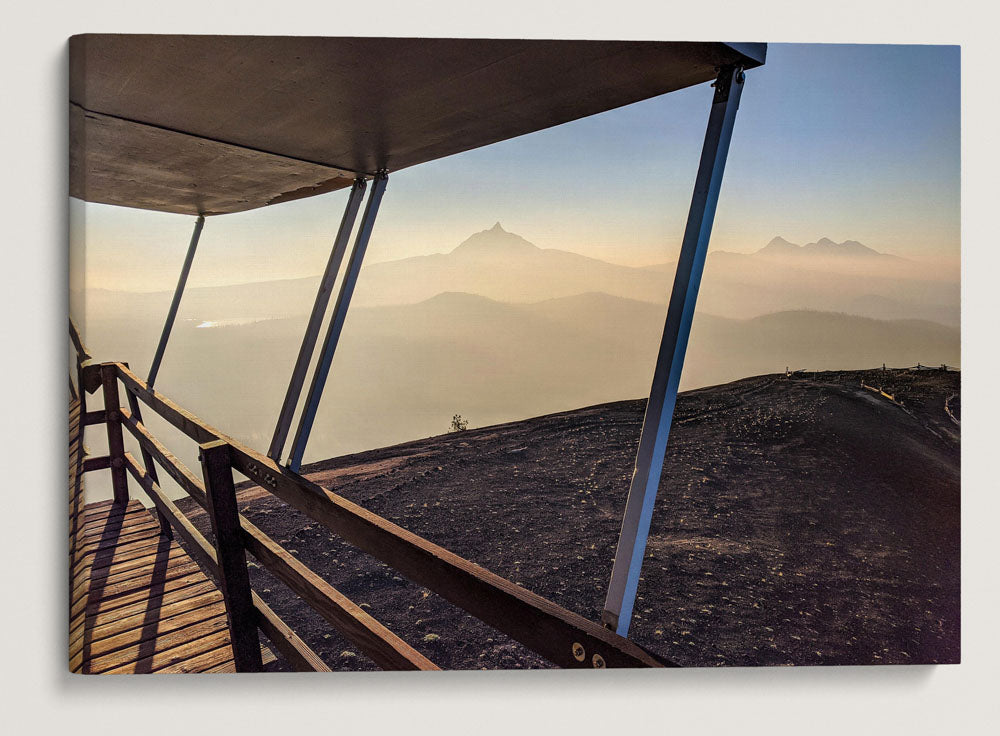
x=497 y=241
x=781 y=248
x=502 y=265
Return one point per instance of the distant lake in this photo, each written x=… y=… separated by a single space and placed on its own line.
x=209 y=323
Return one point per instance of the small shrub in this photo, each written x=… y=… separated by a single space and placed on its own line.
x=458 y=424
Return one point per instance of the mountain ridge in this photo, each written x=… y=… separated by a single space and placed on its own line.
x=506 y=267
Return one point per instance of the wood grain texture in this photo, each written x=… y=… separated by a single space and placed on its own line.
x=536 y=622
x=99 y=462
x=139 y=609
x=116 y=443
x=138 y=603
x=235 y=579
x=296 y=651
x=386 y=649
x=167 y=509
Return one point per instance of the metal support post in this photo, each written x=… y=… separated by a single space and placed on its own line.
x=670 y=360
x=316 y=320
x=133 y=403
x=337 y=321
x=175 y=303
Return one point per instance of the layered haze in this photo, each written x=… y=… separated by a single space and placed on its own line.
x=498 y=329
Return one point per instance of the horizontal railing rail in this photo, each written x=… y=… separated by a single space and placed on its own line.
x=384 y=647
x=561 y=636
x=286 y=641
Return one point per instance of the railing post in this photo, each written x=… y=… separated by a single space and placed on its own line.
x=224 y=514
x=116 y=443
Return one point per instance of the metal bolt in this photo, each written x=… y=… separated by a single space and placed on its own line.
x=579 y=653
x=598 y=661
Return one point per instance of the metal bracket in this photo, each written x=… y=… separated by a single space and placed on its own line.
x=724 y=83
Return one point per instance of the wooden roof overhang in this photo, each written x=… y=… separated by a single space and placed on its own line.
x=218 y=124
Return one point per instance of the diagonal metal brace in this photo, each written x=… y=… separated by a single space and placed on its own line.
x=168 y=324
x=316 y=319
x=337 y=320
x=666 y=377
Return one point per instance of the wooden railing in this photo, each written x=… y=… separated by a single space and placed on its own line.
x=564 y=638
x=82 y=356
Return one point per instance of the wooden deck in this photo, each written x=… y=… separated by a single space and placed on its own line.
x=138 y=602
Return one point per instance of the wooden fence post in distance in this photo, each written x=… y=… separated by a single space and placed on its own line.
x=218 y=472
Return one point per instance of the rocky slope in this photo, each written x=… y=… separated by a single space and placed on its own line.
x=800 y=520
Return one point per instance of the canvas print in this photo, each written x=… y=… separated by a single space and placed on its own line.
x=430 y=353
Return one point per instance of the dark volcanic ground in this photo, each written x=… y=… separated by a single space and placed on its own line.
x=800 y=520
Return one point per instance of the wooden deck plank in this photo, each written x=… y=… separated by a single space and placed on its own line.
x=122 y=553
x=129 y=518
x=230 y=667
x=156 y=558
x=203 y=662
x=175 y=658
x=148 y=637
x=151 y=579
x=105 y=565
x=119 y=619
x=96 y=607
x=108 y=509
x=106 y=586
x=114 y=529
x=158 y=651
x=116 y=626
x=138 y=602
x=110 y=512
x=86 y=546
x=193 y=589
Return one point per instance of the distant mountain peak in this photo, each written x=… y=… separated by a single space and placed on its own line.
x=495 y=240
x=822 y=247
x=777 y=246
x=847 y=248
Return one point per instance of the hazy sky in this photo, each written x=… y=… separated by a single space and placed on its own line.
x=842 y=141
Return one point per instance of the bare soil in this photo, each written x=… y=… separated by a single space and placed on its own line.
x=800 y=520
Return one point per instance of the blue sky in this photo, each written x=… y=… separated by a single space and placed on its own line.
x=842 y=141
